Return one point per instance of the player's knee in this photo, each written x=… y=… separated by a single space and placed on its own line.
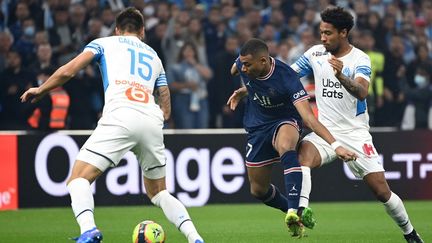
x=306 y=162
x=382 y=195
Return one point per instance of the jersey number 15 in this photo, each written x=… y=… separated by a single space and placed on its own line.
x=137 y=65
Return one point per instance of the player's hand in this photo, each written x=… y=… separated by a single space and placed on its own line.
x=345 y=154
x=235 y=98
x=336 y=64
x=33 y=93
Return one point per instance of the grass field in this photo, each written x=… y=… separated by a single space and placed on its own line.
x=251 y=223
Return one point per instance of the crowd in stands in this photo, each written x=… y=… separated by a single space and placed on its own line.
x=198 y=41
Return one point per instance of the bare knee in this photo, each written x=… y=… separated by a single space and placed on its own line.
x=308 y=155
x=154 y=186
x=378 y=184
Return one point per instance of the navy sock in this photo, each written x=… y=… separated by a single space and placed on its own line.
x=275 y=199
x=293 y=178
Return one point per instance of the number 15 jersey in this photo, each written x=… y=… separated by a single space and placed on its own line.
x=130 y=72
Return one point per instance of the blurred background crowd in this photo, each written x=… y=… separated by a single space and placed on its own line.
x=198 y=41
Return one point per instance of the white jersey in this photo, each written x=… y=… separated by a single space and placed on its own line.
x=130 y=71
x=338 y=110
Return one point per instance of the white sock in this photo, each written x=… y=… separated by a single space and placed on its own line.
x=306 y=187
x=176 y=213
x=396 y=209
x=82 y=203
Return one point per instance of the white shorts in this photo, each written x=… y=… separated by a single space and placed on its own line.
x=122 y=131
x=358 y=142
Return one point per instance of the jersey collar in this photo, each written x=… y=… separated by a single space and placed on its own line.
x=273 y=64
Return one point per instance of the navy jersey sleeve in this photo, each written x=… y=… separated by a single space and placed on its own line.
x=296 y=90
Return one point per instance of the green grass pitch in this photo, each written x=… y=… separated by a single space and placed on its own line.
x=251 y=223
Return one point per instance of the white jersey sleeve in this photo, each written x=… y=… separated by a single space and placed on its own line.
x=130 y=71
x=338 y=110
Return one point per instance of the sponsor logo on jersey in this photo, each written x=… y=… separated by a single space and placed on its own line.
x=299 y=94
x=133 y=84
x=265 y=101
x=319 y=53
x=331 y=88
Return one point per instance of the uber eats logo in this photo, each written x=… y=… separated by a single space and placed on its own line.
x=331 y=88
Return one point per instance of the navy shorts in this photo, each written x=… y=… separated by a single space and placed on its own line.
x=260 y=149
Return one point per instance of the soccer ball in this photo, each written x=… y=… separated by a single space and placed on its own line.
x=148 y=232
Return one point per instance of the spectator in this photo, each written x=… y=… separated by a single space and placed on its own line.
x=6 y=40
x=25 y=45
x=15 y=80
x=222 y=86
x=44 y=59
x=51 y=111
x=187 y=80
x=375 y=98
x=394 y=74
x=417 y=113
x=60 y=36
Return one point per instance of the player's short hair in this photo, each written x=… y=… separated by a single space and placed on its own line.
x=253 y=47
x=130 y=20
x=338 y=17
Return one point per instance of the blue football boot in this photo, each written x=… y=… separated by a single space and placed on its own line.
x=90 y=236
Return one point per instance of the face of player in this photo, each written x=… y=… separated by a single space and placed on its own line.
x=253 y=67
x=331 y=37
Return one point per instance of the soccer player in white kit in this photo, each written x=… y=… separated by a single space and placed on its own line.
x=342 y=76
x=131 y=121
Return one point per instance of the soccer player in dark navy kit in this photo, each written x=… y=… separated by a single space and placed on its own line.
x=277 y=106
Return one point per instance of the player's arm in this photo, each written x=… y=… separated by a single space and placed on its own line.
x=239 y=93
x=357 y=87
x=164 y=100
x=59 y=77
x=234 y=70
x=309 y=120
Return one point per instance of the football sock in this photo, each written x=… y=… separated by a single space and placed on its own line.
x=176 y=213
x=82 y=203
x=293 y=178
x=306 y=187
x=396 y=209
x=275 y=199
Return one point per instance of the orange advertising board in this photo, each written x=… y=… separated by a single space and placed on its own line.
x=8 y=172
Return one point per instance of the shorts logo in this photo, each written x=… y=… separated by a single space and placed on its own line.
x=368 y=149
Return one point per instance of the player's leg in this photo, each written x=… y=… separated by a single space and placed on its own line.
x=173 y=209
x=392 y=203
x=263 y=190
x=150 y=152
x=285 y=142
x=309 y=158
x=83 y=174
x=105 y=147
x=260 y=156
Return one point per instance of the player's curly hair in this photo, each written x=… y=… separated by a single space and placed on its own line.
x=338 y=17
x=253 y=47
x=130 y=20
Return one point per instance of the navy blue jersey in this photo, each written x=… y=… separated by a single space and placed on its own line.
x=272 y=98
